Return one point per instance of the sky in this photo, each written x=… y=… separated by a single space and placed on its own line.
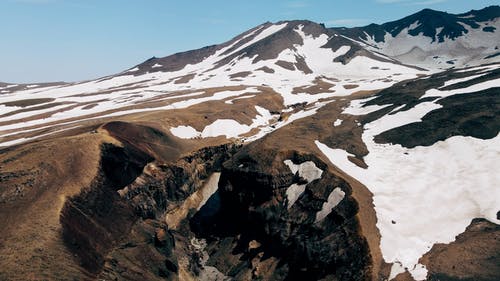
x=75 y=40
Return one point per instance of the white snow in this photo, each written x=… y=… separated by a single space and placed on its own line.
x=396 y=269
x=239 y=98
x=228 y=127
x=427 y=52
x=337 y=122
x=470 y=89
x=479 y=68
x=217 y=96
x=156 y=65
x=23 y=140
x=460 y=80
x=293 y=117
x=414 y=25
x=263 y=34
x=232 y=129
x=333 y=200
x=293 y=193
x=356 y=108
x=306 y=170
x=185 y=132
x=225 y=127
x=122 y=95
x=419 y=188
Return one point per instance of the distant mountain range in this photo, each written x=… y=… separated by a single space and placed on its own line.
x=434 y=39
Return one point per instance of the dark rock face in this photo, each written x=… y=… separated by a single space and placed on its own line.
x=430 y=21
x=474 y=114
x=253 y=211
x=167 y=184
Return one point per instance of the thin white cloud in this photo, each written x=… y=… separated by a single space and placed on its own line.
x=429 y=2
x=347 y=22
x=297 y=4
x=390 y=1
x=411 y=2
x=33 y=1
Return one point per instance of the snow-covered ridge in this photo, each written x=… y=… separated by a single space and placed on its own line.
x=132 y=92
x=435 y=40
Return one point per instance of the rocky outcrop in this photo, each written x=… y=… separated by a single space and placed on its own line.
x=255 y=234
x=116 y=226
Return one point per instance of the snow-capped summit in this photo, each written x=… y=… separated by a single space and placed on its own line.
x=434 y=39
x=289 y=45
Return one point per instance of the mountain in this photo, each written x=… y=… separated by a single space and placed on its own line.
x=434 y=39
x=291 y=152
x=285 y=59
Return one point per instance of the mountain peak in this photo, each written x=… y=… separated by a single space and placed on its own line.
x=419 y=37
x=428 y=11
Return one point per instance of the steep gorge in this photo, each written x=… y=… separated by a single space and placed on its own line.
x=122 y=213
x=273 y=240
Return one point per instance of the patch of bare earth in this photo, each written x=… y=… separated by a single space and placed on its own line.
x=474 y=255
x=320 y=86
x=28 y=102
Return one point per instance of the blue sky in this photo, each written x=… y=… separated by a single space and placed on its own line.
x=71 y=40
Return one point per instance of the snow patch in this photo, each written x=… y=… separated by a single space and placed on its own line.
x=396 y=269
x=239 y=98
x=308 y=171
x=228 y=127
x=293 y=193
x=333 y=200
x=495 y=83
x=414 y=25
x=356 y=107
x=263 y=34
x=185 y=132
x=460 y=80
x=225 y=127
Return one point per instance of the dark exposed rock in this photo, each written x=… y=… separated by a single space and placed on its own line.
x=253 y=209
x=453 y=26
x=107 y=229
x=473 y=114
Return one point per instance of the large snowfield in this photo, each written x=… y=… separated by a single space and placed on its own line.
x=423 y=195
